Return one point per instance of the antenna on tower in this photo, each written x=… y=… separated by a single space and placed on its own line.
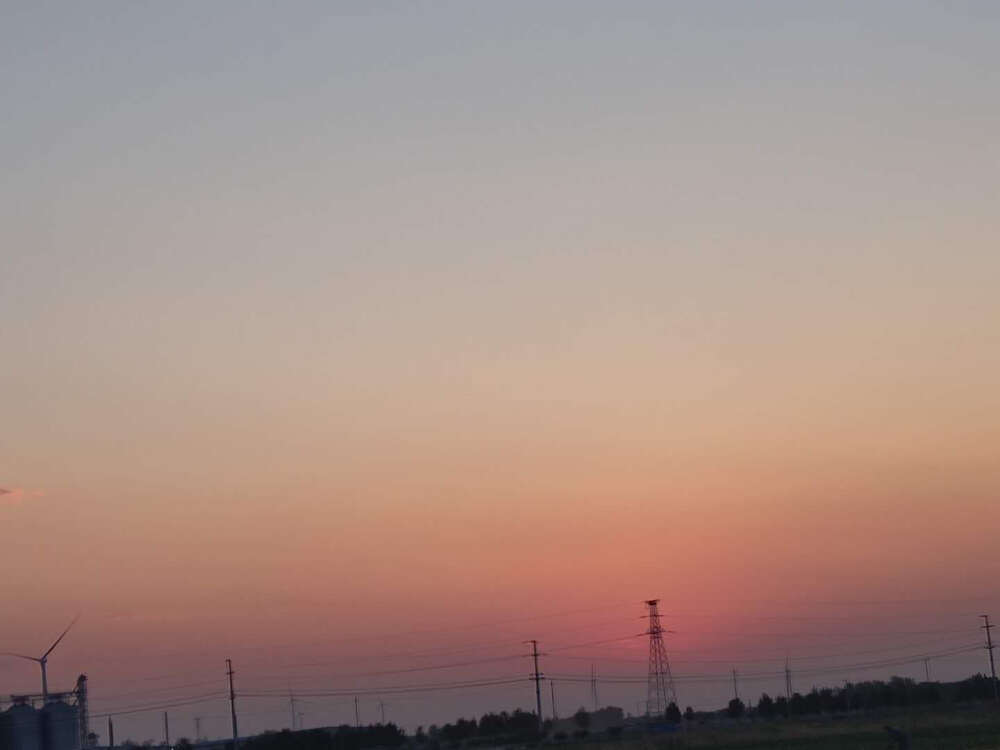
x=660 y=691
x=43 y=660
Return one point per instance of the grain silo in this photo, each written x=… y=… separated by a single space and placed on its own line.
x=4 y=730
x=24 y=727
x=60 y=727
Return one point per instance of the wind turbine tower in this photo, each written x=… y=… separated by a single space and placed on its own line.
x=43 y=660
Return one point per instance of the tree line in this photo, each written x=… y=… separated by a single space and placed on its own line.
x=522 y=726
x=860 y=696
x=344 y=737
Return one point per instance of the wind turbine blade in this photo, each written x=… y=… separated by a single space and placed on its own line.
x=61 y=637
x=19 y=656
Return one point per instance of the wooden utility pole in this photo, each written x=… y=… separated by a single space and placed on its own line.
x=989 y=648
x=537 y=677
x=232 y=703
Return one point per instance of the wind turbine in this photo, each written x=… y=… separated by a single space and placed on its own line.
x=43 y=659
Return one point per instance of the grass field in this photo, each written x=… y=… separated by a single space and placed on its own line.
x=927 y=730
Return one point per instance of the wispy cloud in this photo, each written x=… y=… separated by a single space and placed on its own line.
x=16 y=495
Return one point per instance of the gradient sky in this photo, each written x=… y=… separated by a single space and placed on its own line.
x=386 y=321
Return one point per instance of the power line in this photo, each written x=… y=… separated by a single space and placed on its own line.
x=558 y=652
x=159 y=706
x=417 y=654
x=598 y=643
x=157 y=690
x=777 y=658
x=320 y=693
x=382 y=637
x=827 y=634
x=719 y=677
x=409 y=670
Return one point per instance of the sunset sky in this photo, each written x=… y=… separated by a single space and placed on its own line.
x=346 y=338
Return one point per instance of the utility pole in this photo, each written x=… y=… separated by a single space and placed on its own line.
x=927 y=669
x=291 y=703
x=197 y=728
x=357 y=713
x=736 y=690
x=111 y=733
x=166 y=729
x=232 y=703
x=552 y=689
x=381 y=708
x=537 y=677
x=593 y=685
x=788 y=680
x=989 y=647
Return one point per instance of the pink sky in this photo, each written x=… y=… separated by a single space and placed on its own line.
x=389 y=324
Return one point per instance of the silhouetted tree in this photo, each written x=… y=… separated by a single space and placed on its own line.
x=673 y=714
x=491 y=724
x=581 y=718
x=765 y=706
x=689 y=713
x=797 y=705
x=781 y=705
x=343 y=738
x=977 y=687
x=460 y=730
x=735 y=708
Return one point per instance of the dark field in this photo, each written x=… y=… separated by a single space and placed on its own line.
x=927 y=730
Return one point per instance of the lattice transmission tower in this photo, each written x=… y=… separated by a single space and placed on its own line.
x=660 y=690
